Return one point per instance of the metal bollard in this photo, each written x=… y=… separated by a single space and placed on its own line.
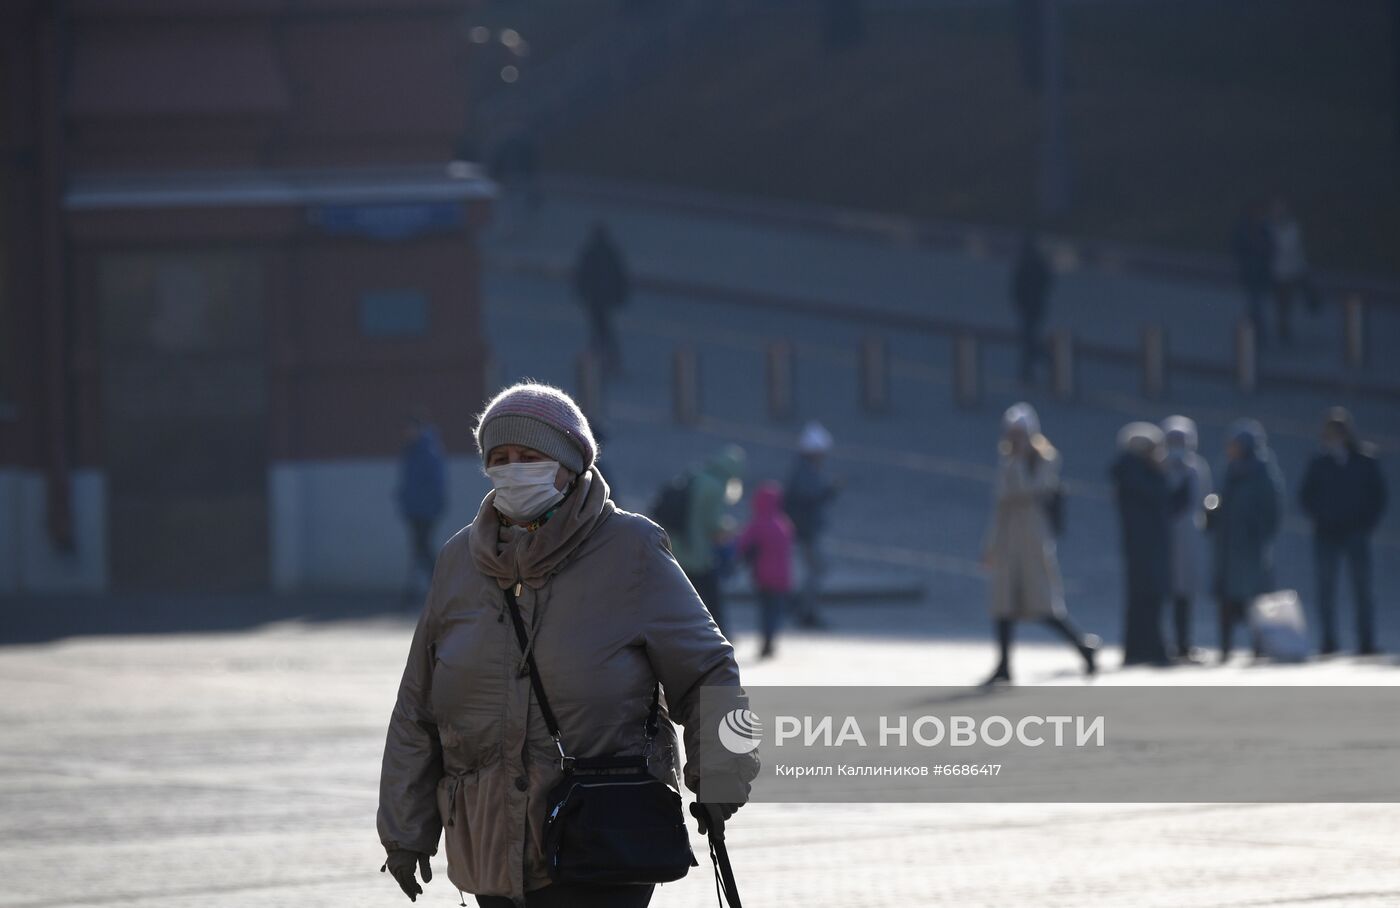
x=967 y=371
x=685 y=387
x=1062 y=372
x=1354 y=331
x=874 y=365
x=782 y=379
x=1246 y=357
x=589 y=384
x=1154 y=362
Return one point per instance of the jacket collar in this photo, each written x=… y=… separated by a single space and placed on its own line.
x=533 y=557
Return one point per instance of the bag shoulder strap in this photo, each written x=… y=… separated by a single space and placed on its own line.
x=523 y=638
x=551 y=723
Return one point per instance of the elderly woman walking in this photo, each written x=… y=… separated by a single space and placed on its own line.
x=550 y=580
x=1020 y=548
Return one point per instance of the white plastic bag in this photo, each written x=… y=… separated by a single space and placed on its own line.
x=1278 y=626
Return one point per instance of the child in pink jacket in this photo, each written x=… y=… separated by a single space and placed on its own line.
x=765 y=544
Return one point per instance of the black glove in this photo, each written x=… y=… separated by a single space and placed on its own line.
x=712 y=816
x=400 y=863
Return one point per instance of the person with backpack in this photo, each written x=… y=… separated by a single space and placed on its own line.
x=1145 y=506
x=551 y=588
x=765 y=545
x=1344 y=494
x=1020 y=552
x=807 y=494
x=707 y=527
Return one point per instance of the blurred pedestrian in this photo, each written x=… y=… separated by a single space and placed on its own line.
x=1253 y=248
x=1344 y=494
x=1031 y=283
x=1291 y=276
x=806 y=496
x=422 y=498
x=549 y=579
x=1190 y=478
x=765 y=545
x=1244 y=524
x=711 y=491
x=602 y=285
x=1143 y=494
x=1020 y=546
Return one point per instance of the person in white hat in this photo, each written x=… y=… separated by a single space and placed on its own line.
x=808 y=492
x=1020 y=552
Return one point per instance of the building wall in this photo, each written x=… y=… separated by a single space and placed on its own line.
x=281 y=123
x=29 y=561
x=335 y=525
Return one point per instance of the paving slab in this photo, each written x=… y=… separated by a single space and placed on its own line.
x=239 y=768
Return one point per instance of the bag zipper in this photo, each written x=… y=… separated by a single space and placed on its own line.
x=564 y=800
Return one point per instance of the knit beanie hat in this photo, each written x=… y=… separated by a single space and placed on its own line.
x=540 y=417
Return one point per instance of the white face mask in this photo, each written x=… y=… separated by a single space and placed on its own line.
x=524 y=491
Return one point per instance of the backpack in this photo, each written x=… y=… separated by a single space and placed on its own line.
x=671 y=507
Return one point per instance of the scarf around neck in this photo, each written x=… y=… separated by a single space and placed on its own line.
x=533 y=557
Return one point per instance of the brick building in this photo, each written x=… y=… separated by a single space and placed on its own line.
x=235 y=256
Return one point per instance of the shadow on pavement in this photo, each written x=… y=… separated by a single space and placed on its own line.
x=45 y=619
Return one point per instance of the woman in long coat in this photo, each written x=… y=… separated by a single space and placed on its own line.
x=1020 y=546
x=609 y=614
x=1244 y=526
x=1189 y=475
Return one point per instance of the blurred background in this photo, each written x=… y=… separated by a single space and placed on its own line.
x=262 y=261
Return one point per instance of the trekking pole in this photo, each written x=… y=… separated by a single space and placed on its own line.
x=719 y=854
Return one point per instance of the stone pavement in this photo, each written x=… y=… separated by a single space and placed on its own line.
x=240 y=768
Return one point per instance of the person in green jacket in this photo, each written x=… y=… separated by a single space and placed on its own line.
x=713 y=489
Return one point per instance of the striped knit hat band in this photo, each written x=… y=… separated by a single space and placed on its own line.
x=539 y=417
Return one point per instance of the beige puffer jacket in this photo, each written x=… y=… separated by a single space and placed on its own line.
x=467 y=748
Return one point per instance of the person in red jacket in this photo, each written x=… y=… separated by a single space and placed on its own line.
x=765 y=544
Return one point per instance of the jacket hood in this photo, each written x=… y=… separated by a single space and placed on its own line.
x=1180 y=430
x=727 y=464
x=767 y=500
x=1021 y=415
x=815 y=439
x=1249 y=435
x=1140 y=438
